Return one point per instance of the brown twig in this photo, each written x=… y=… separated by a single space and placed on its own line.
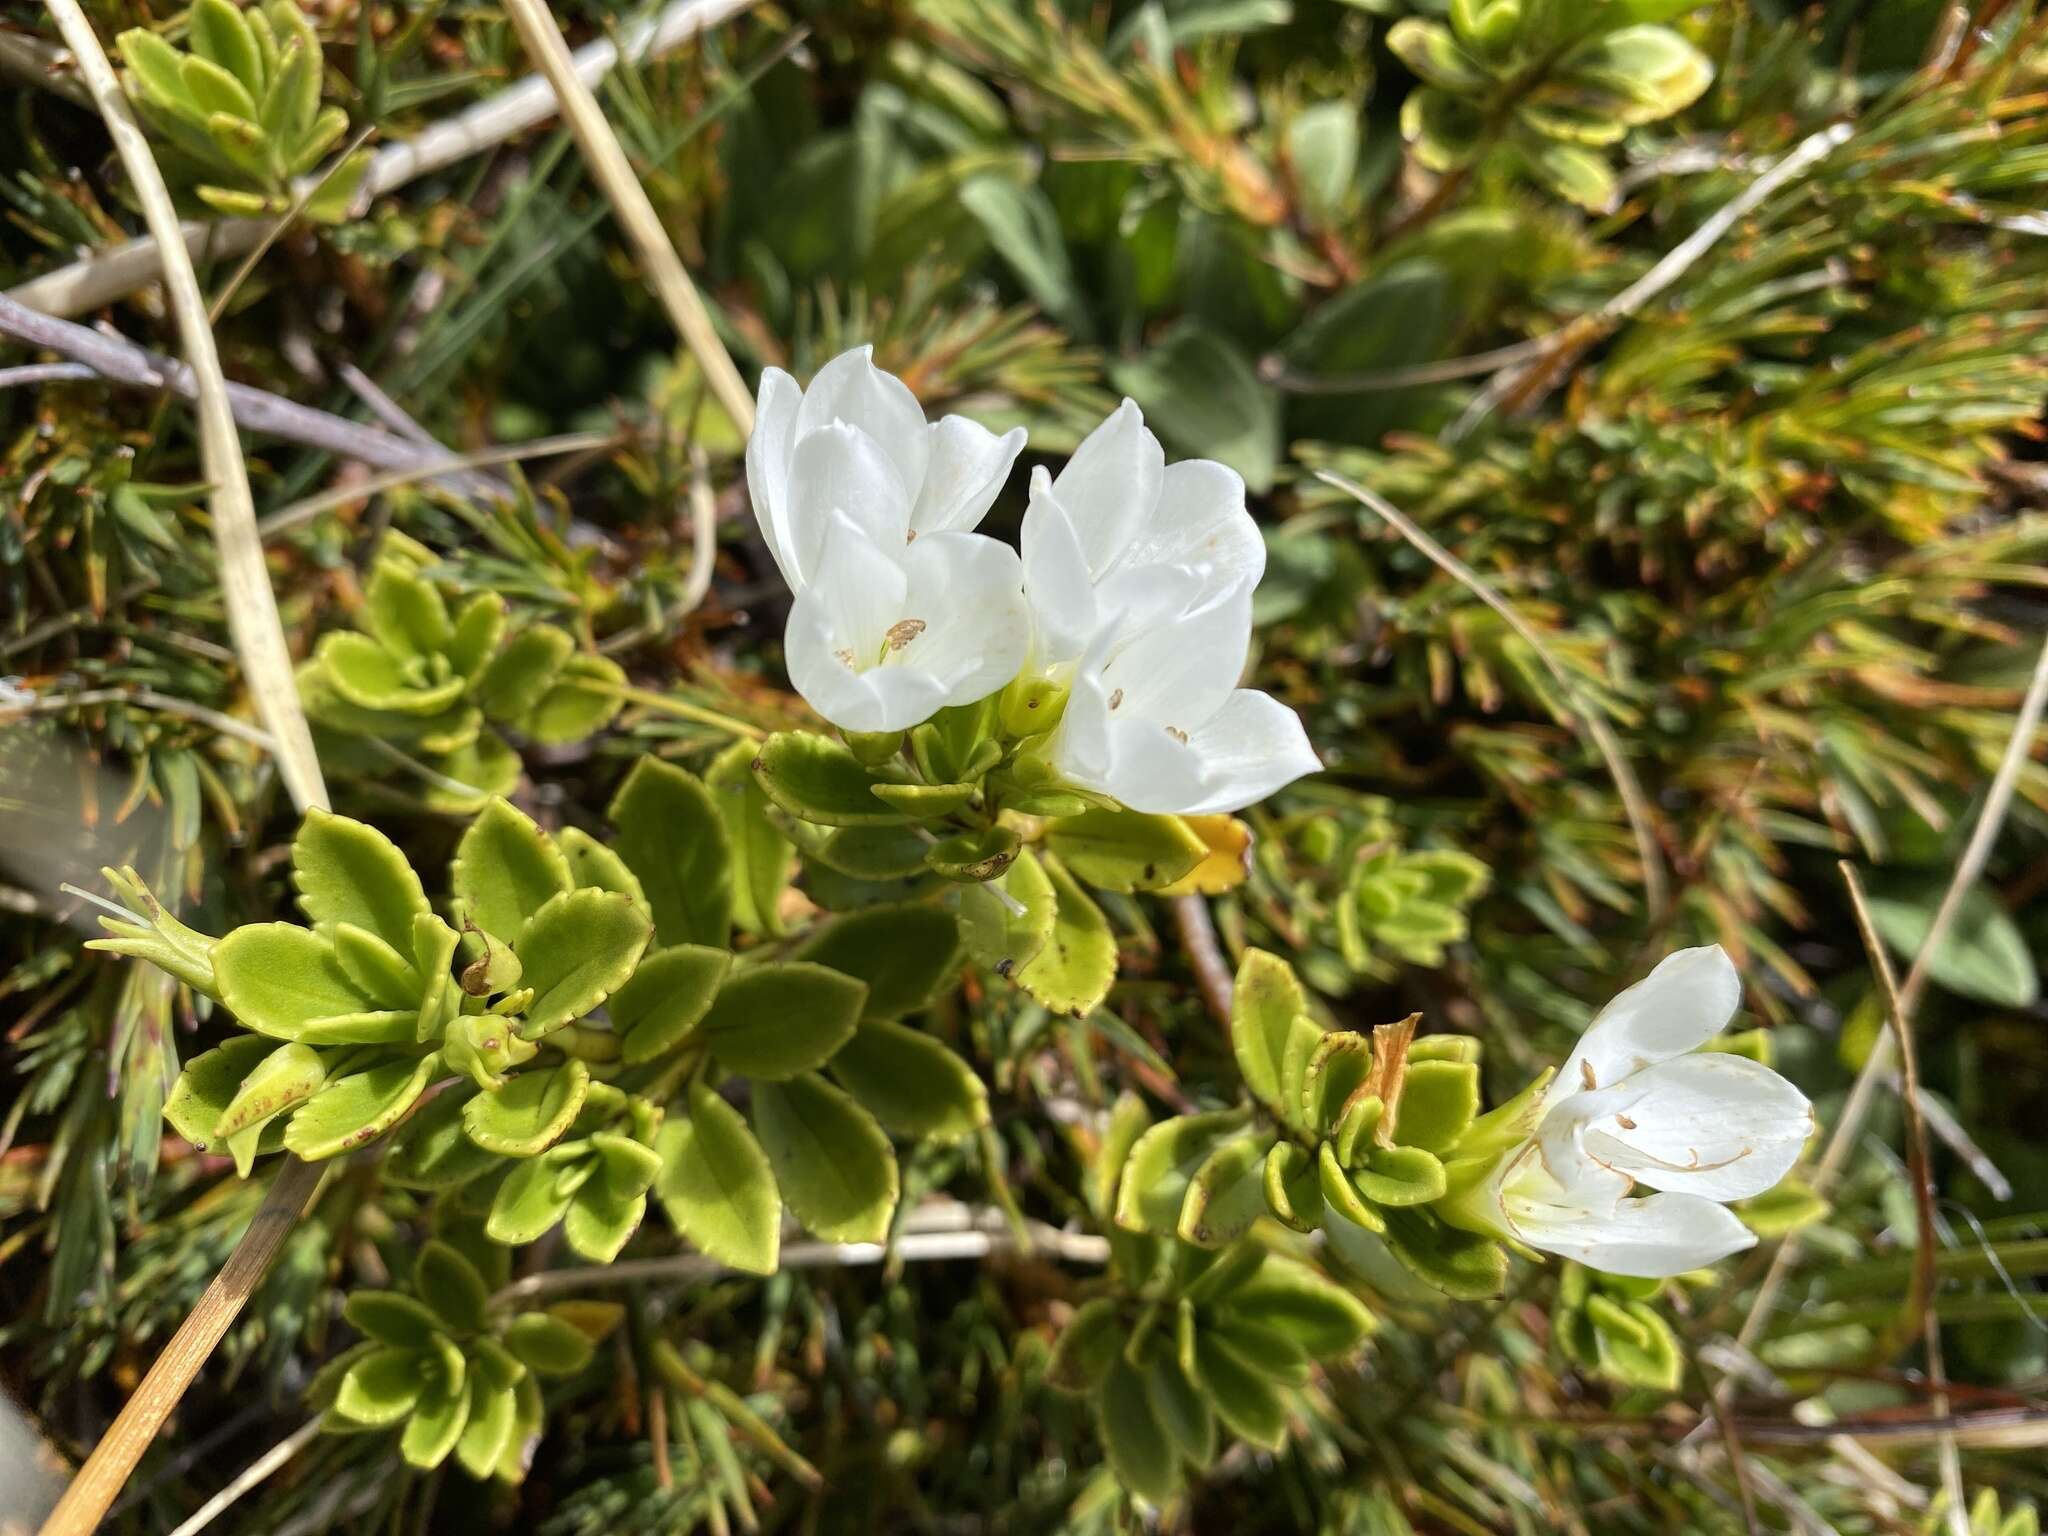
x=1920 y=1297
x=85 y=1502
x=1205 y=954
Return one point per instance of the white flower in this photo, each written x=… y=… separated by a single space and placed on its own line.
x=1633 y=1104
x=899 y=610
x=885 y=637
x=1155 y=718
x=1117 y=511
x=857 y=442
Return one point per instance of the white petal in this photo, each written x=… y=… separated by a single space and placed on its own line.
x=1145 y=768
x=969 y=592
x=1178 y=675
x=1056 y=578
x=1720 y=1126
x=1249 y=748
x=968 y=466
x=839 y=624
x=1683 y=1003
x=840 y=469
x=1200 y=521
x=768 y=456
x=1111 y=485
x=1654 y=1237
x=852 y=389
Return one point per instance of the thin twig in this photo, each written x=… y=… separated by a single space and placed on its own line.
x=302 y=512
x=43 y=373
x=113 y=273
x=1635 y=805
x=1920 y=1297
x=245 y=584
x=1205 y=955
x=85 y=1502
x=35 y=62
x=1524 y=377
x=613 y=172
x=149 y=698
x=251 y=1476
x=961 y=1233
x=118 y=360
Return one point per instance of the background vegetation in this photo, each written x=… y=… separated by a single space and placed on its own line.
x=1771 y=510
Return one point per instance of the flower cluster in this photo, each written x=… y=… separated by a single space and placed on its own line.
x=1128 y=614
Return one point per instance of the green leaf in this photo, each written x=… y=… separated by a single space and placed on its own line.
x=593 y=865
x=437 y=1420
x=519 y=676
x=450 y=1285
x=670 y=992
x=534 y=1196
x=474 y=636
x=1227 y=1193
x=780 y=1019
x=1125 y=850
x=1203 y=395
x=405 y=613
x=432 y=1150
x=284 y=1079
x=546 y=1345
x=381 y=971
x=381 y=1387
x=157 y=68
x=834 y=1164
x=903 y=953
x=1092 y=1340
x=1322 y=1317
x=1163 y=1164
x=215 y=91
x=911 y=1083
x=1337 y=1069
x=717 y=1186
x=1983 y=956
x=280 y=980
x=999 y=937
x=820 y=781
x=873 y=853
x=581 y=701
x=1181 y=1409
x=489 y=1430
x=355 y=1110
x=574 y=952
x=209 y=1084
x=1342 y=1195
x=1244 y=1397
x=366 y=675
x=925 y=802
x=530 y=1113
x=1461 y=1264
x=1267 y=1011
x=673 y=838
x=1433 y=55
x=1073 y=972
x=1439 y=1102
x=1135 y=1442
x=762 y=857
x=506 y=869
x=391 y=1318
x=1294 y=1186
x=1400 y=1176
x=974 y=856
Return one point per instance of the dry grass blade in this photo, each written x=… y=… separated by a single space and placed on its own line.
x=608 y=164
x=251 y=1476
x=85 y=1502
x=251 y=606
x=1635 y=804
x=1920 y=1298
